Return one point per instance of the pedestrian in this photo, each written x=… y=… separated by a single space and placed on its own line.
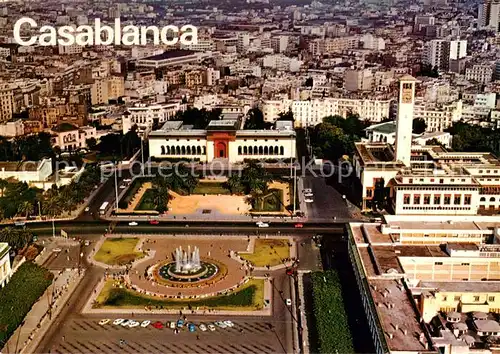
x=63 y=338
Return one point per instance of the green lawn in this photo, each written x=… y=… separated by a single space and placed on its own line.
x=268 y=252
x=272 y=201
x=211 y=188
x=118 y=251
x=16 y=299
x=332 y=324
x=147 y=201
x=247 y=298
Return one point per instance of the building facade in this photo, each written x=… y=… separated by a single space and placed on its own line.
x=5 y=269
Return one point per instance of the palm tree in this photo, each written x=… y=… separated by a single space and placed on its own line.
x=26 y=207
x=3 y=185
x=161 y=195
x=233 y=183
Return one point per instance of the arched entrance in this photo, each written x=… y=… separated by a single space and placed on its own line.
x=221 y=150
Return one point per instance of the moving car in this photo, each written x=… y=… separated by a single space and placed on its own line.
x=308 y=195
x=87 y=209
x=309 y=200
x=262 y=224
x=307 y=190
x=211 y=327
x=154 y=222
x=191 y=327
x=299 y=226
x=202 y=327
x=118 y=321
x=133 y=223
x=158 y=325
x=146 y=323
x=288 y=302
x=104 y=321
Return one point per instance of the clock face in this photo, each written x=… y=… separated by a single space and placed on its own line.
x=406 y=96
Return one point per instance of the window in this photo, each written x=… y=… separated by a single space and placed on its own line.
x=437 y=199
x=445 y=298
x=491 y=299
x=465 y=264
x=416 y=199
x=476 y=298
x=406 y=199
x=467 y=199
x=438 y=263
x=427 y=199
x=369 y=193
x=457 y=199
x=457 y=298
x=447 y=200
x=441 y=181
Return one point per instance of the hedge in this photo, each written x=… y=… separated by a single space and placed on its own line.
x=332 y=325
x=16 y=299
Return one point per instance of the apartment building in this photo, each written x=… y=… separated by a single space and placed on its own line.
x=312 y=112
x=5 y=269
x=480 y=73
x=438 y=117
x=144 y=115
x=106 y=89
x=321 y=46
x=439 y=52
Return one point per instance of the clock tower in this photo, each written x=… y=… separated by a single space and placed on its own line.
x=404 y=120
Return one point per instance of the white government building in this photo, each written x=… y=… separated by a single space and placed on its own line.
x=426 y=179
x=222 y=139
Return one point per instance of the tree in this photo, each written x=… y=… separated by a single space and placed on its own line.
x=161 y=195
x=331 y=142
x=434 y=142
x=287 y=116
x=255 y=119
x=419 y=126
x=91 y=143
x=255 y=178
x=26 y=207
x=234 y=184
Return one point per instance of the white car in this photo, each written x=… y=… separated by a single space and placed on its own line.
x=125 y=323
x=172 y=324
x=221 y=324
x=211 y=327
x=307 y=190
x=202 y=327
x=229 y=323
x=288 y=302
x=308 y=195
x=56 y=250
x=146 y=323
x=133 y=223
x=262 y=224
x=104 y=321
x=308 y=200
x=118 y=321
x=133 y=324
x=87 y=209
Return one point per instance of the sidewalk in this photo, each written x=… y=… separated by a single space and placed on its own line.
x=38 y=320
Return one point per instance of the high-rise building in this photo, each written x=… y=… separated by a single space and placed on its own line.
x=404 y=122
x=489 y=14
x=439 y=52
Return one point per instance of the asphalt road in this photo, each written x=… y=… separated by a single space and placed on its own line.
x=328 y=203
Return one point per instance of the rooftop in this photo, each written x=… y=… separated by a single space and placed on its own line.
x=170 y=55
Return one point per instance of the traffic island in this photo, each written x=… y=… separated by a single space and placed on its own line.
x=119 y=251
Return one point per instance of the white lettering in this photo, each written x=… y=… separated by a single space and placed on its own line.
x=48 y=36
x=99 y=31
x=144 y=35
x=17 y=31
x=130 y=35
x=171 y=39
x=67 y=37
x=84 y=35
x=189 y=31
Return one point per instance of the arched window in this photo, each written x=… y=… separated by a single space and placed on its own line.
x=271 y=150
x=276 y=150
x=193 y=150
x=239 y=150
x=198 y=150
x=172 y=150
x=245 y=150
x=261 y=150
x=255 y=150
x=492 y=199
x=204 y=150
x=178 y=150
x=282 y=150
x=162 y=150
x=188 y=150
x=483 y=199
x=266 y=150
x=183 y=150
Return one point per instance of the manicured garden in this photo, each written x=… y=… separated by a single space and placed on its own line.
x=147 y=201
x=211 y=188
x=16 y=299
x=249 y=297
x=118 y=251
x=331 y=319
x=272 y=201
x=268 y=252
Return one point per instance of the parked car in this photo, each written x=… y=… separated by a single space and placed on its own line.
x=133 y=324
x=202 y=327
x=158 y=325
x=211 y=327
x=118 y=321
x=307 y=190
x=104 y=321
x=299 y=226
x=262 y=224
x=180 y=323
x=154 y=222
x=172 y=324
x=87 y=209
x=133 y=223
x=125 y=323
x=146 y=323
x=308 y=200
x=228 y=323
x=191 y=327
x=220 y=324
x=308 y=195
